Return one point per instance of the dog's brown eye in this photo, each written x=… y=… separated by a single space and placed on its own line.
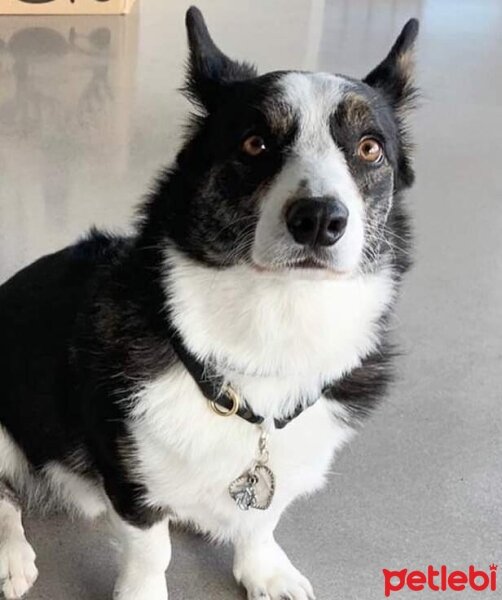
x=370 y=150
x=254 y=145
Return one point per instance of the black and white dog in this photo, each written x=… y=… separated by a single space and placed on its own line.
x=205 y=369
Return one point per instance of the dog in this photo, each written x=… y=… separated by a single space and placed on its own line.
x=205 y=369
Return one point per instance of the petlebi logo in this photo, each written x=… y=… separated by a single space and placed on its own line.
x=440 y=580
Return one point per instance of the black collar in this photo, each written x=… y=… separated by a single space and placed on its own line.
x=224 y=400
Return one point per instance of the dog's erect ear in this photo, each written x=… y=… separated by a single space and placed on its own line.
x=394 y=75
x=209 y=70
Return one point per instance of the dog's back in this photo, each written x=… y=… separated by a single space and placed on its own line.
x=38 y=310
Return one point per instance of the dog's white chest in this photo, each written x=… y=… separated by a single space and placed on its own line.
x=189 y=456
x=284 y=340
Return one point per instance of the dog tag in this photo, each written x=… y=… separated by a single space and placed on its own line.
x=254 y=489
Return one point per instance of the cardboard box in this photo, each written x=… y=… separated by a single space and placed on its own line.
x=65 y=7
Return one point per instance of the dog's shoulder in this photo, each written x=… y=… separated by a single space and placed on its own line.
x=66 y=267
x=54 y=286
x=98 y=247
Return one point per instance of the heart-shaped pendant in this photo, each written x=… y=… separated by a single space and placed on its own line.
x=254 y=489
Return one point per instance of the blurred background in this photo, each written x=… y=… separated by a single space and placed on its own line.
x=89 y=112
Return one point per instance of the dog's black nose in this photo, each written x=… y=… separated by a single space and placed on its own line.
x=317 y=221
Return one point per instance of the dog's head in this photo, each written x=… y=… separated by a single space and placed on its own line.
x=291 y=172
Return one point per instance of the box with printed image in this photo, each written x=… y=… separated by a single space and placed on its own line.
x=65 y=7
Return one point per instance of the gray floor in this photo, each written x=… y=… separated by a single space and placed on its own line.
x=85 y=124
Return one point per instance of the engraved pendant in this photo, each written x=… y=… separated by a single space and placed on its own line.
x=254 y=488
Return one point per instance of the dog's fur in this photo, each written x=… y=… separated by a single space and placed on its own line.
x=96 y=406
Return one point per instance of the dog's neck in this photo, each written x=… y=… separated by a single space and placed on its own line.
x=261 y=325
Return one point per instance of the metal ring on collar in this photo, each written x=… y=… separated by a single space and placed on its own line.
x=227 y=412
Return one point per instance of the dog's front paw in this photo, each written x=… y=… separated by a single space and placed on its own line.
x=141 y=588
x=18 y=572
x=267 y=574
x=282 y=586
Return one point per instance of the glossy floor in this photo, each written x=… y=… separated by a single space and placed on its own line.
x=88 y=114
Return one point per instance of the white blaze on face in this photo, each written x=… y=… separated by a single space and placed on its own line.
x=314 y=167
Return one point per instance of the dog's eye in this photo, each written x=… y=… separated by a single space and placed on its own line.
x=370 y=150
x=254 y=145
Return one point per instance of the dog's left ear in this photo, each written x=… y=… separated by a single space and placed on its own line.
x=210 y=71
x=395 y=74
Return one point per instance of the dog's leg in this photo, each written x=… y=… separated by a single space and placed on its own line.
x=263 y=568
x=17 y=558
x=146 y=556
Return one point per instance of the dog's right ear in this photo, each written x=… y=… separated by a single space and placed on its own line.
x=394 y=75
x=210 y=72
